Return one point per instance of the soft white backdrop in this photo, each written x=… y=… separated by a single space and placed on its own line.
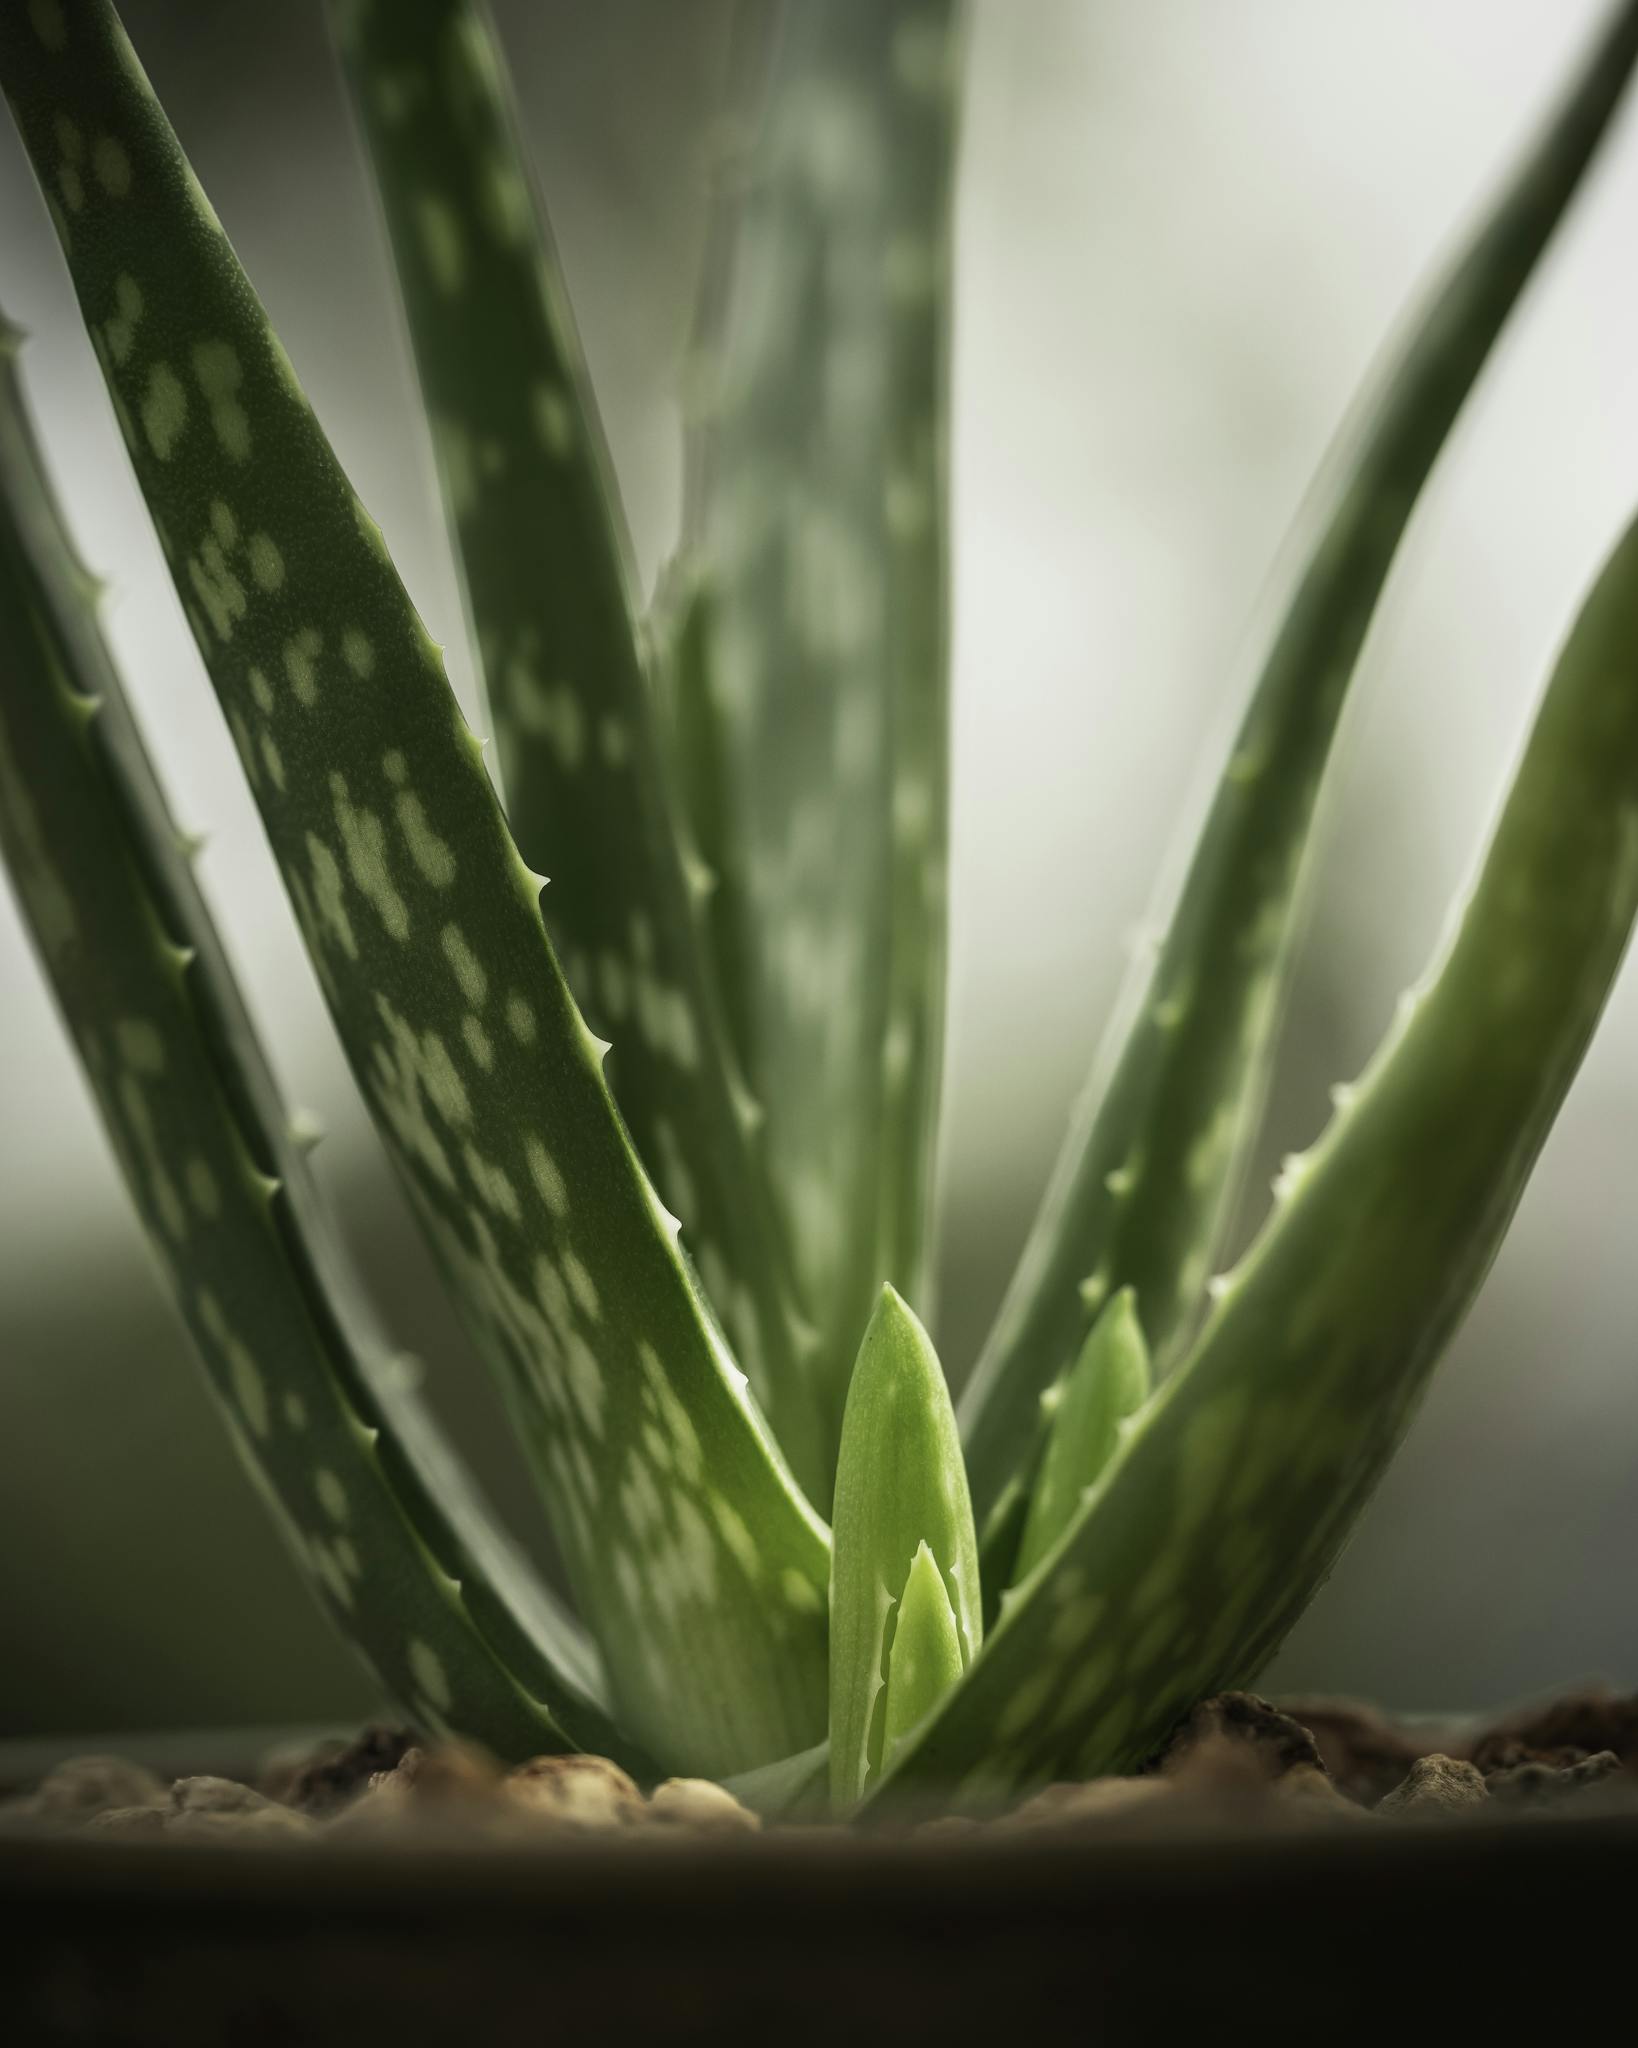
x=1184 y=232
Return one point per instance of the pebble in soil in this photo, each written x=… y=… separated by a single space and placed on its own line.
x=1235 y=1761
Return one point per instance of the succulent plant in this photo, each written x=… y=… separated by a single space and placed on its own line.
x=668 y=1126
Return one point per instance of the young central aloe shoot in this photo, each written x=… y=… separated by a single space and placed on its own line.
x=741 y=796
x=905 y=1612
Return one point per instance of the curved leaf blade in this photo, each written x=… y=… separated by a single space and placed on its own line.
x=533 y=508
x=373 y=1507
x=1233 y=1494
x=1139 y=1191
x=425 y=927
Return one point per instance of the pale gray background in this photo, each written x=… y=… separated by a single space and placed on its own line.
x=1184 y=231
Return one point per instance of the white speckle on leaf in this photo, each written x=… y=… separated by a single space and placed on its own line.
x=426 y=1668
x=332 y=1495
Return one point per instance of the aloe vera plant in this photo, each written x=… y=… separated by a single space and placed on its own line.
x=694 y=1271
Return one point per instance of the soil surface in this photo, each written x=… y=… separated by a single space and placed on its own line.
x=1237 y=1760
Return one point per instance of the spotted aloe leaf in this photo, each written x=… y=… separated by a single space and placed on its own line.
x=679 y=633
x=1139 y=1191
x=691 y=1551
x=901 y=1496
x=815 y=545
x=375 y=1510
x=1228 y=1502
x=533 y=508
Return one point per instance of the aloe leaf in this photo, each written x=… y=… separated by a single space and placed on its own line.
x=375 y=1510
x=816 y=532
x=1228 y=1502
x=679 y=631
x=790 y=1788
x=533 y=507
x=692 y=1554
x=1108 y=1383
x=900 y=1488
x=924 y=1660
x=1153 y=1153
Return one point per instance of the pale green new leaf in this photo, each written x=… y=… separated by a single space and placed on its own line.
x=924 y=1658
x=533 y=508
x=900 y=1487
x=1138 y=1194
x=1109 y=1382
x=816 y=540
x=1228 y=1502
x=707 y=1592
x=375 y=1510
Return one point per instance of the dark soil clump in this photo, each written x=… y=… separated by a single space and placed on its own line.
x=334 y=1774
x=1565 y=1731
